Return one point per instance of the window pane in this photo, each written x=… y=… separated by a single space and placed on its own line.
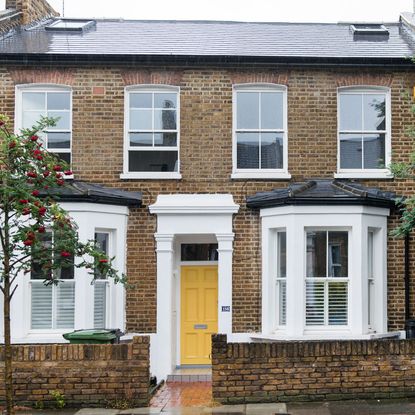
x=165 y=139
x=282 y=255
x=65 y=305
x=374 y=112
x=316 y=254
x=374 y=151
x=41 y=306
x=59 y=140
x=100 y=304
x=165 y=120
x=272 y=110
x=63 y=123
x=272 y=150
x=247 y=114
x=199 y=252
x=141 y=120
x=141 y=100
x=31 y=118
x=338 y=254
x=351 y=112
x=282 y=302
x=33 y=100
x=165 y=161
x=58 y=101
x=66 y=157
x=314 y=303
x=66 y=272
x=141 y=139
x=350 y=151
x=39 y=258
x=102 y=243
x=165 y=100
x=247 y=150
x=337 y=303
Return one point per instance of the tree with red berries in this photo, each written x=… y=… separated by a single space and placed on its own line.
x=29 y=179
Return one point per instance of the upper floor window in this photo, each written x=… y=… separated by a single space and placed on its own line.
x=364 y=131
x=35 y=101
x=260 y=131
x=152 y=132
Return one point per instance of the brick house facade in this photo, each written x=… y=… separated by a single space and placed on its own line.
x=216 y=211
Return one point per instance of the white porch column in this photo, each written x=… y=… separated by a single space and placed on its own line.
x=225 y=251
x=164 y=249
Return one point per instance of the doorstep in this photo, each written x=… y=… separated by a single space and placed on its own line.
x=191 y=374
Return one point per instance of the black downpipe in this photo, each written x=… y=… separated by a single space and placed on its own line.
x=407 y=280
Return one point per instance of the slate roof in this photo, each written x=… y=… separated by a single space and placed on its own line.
x=203 y=39
x=323 y=191
x=79 y=191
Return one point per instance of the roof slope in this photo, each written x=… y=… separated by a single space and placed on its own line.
x=211 y=38
x=323 y=191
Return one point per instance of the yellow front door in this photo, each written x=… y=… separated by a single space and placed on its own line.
x=199 y=313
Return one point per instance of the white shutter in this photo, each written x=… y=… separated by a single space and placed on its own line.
x=337 y=303
x=314 y=303
x=41 y=309
x=65 y=304
x=100 y=303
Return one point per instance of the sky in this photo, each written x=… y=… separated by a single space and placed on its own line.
x=242 y=10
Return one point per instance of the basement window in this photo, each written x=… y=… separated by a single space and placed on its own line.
x=71 y=25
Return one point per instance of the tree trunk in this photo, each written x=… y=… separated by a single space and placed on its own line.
x=8 y=374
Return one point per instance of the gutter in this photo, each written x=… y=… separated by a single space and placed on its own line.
x=407 y=279
x=211 y=60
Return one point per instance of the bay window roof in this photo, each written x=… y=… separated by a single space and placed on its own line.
x=80 y=191
x=324 y=192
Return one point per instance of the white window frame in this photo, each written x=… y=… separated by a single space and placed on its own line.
x=326 y=280
x=297 y=220
x=18 y=115
x=149 y=175
x=260 y=173
x=366 y=173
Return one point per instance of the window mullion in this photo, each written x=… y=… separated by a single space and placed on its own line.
x=260 y=126
x=152 y=118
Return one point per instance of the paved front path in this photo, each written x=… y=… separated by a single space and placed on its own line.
x=188 y=394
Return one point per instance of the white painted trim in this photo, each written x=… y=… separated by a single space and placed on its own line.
x=150 y=88
x=263 y=173
x=151 y=176
x=367 y=173
x=188 y=218
x=364 y=174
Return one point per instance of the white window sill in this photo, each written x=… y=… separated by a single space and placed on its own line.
x=151 y=176
x=261 y=175
x=364 y=175
x=340 y=335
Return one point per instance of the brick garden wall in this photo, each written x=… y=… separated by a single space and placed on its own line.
x=88 y=375
x=311 y=371
x=206 y=158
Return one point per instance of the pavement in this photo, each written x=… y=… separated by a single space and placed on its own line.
x=361 y=407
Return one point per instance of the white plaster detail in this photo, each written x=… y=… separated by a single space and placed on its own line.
x=190 y=218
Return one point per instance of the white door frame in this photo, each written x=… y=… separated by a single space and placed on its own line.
x=190 y=214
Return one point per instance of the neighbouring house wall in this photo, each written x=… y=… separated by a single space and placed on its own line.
x=312 y=371
x=23 y=12
x=88 y=375
x=206 y=159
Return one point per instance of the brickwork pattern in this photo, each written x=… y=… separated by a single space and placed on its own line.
x=206 y=158
x=88 y=375
x=312 y=371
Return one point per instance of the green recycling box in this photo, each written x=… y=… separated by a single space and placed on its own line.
x=93 y=336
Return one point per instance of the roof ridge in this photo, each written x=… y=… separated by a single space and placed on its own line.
x=349 y=188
